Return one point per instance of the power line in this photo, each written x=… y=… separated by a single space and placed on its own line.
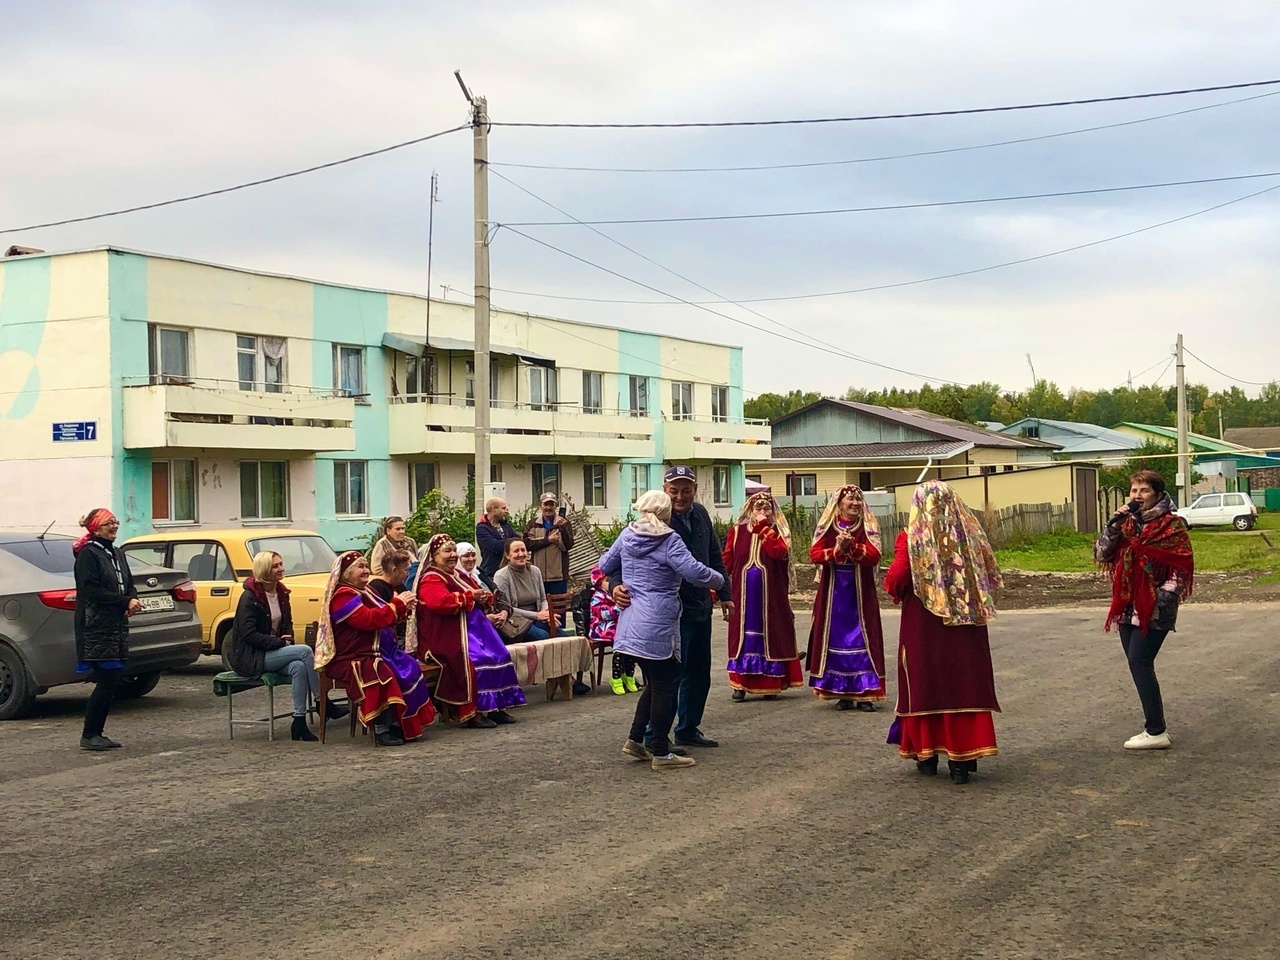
x=641 y=283
x=710 y=218
x=1251 y=383
x=889 y=116
x=1138 y=375
x=910 y=283
x=239 y=186
x=880 y=159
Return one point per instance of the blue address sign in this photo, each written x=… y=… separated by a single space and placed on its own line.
x=75 y=430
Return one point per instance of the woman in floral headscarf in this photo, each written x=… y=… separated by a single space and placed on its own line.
x=945 y=576
x=356 y=646
x=478 y=681
x=846 y=644
x=762 y=628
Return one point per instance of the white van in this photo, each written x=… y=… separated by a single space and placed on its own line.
x=1220 y=509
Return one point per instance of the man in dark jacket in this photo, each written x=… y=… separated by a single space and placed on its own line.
x=692 y=522
x=105 y=600
x=492 y=534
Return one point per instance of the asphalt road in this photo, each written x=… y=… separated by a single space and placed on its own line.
x=802 y=835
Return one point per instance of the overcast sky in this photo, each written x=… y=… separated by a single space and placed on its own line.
x=109 y=105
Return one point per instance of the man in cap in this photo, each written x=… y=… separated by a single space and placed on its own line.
x=692 y=522
x=550 y=538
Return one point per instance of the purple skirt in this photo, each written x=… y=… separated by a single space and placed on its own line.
x=497 y=686
x=849 y=670
x=407 y=672
x=751 y=658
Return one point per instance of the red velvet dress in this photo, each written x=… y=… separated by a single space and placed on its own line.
x=443 y=603
x=762 y=631
x=368 y=662
x=946 y=685
x=846 y=642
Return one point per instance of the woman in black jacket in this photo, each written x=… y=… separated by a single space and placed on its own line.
x=262 y=639
x=105 y=600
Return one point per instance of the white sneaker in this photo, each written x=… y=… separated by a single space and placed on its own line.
x=1145 y=741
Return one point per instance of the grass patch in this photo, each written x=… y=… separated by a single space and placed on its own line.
x=1217 y=550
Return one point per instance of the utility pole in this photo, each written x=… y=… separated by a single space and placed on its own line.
x=480 y=145
x=1184 y=458
x=1220 y=431
x=429 y=386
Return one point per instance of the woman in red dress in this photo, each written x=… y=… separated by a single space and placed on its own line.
x=945 y=576
x=762 y=628
x=356 y=646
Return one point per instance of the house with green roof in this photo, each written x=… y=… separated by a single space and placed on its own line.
x=1218 y=462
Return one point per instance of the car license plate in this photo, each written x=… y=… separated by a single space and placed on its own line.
x=157 y=604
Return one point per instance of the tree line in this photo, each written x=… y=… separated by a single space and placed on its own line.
x=981 y=402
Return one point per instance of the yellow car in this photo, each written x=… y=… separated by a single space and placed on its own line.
x=217 y=561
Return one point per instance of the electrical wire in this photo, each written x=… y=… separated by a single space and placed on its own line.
x=239 y=186
x=911 y=283
x=641 y=283
x=888 y=116
x=1251 y=383
x=713 y=218
x=897 y=156
x=1138 y=375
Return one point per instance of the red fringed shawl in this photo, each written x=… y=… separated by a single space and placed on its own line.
x=1146 y=558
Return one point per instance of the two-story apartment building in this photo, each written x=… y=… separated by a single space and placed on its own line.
x=179 y=392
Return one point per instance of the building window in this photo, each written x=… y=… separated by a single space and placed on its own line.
x=264 y=490
x=471 y=382
x=639 y=392
x=720 y=404
x=720 y=486
x=544 y=387
x=348 y=370
x=681 y=400
x=1031 y=431
x=864 y=479
x=169 y=354
x=754 y=477
x=349 y=488
x=592 y=392
x=802 y=484
x=419 y=378
x=260 y=362
x=173 y=490
x=593 y=485
x=639 y=480
x=546 y=479
x=422 y=480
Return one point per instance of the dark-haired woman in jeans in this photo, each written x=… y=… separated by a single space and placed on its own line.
x=1147 y=552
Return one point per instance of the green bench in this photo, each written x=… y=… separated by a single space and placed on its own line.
x=229 y=683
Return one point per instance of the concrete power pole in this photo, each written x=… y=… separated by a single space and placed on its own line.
x=1184 y=450
x=480 y=143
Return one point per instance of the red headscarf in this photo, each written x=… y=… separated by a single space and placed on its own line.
x=96 y=519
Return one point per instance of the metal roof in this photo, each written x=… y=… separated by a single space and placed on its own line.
x=941 y=427
x=1093 y=438
x=412 y=344
x=1255 y=438
x=909 y=450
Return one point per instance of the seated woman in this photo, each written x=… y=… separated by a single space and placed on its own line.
x=395 y=573
x=262 y=639
x=520 y=583
x=450 y=628
x=356 y=646
x=468 y=572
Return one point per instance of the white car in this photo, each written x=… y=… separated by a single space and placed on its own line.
x=1220 y=509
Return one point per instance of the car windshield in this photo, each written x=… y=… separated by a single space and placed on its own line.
x=51 y=556
x=300 y=554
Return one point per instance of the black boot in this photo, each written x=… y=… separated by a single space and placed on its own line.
x=844 y=704
x=866 y=706
x=959 y=771
x=334 y=711
x=928 y=767
x=301 y=731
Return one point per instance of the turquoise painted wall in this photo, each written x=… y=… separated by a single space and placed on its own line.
x=128 y=311
x=640 y=354
x=24 y=308
x=737 y=473
x=357 y=317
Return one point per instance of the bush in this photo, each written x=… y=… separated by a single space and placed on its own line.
x=438 y=513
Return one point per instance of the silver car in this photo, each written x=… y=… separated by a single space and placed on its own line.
x=37 y=639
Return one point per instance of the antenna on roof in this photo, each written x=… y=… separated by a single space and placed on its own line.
x=47 y=529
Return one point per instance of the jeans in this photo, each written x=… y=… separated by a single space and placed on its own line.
x=656 y=708
x=539 y=631
x=695 y=677
x=105 y=681
x=295 y=660
x=1141 y=653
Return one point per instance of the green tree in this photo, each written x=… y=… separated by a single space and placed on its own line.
x=771 y=406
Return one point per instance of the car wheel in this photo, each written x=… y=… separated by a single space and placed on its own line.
x=17 y=692
x=134 y=687
x=1243 y=523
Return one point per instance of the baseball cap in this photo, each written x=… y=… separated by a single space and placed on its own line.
x=548 y=498
x=680 y=472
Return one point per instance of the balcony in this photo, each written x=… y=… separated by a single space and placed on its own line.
x=218 y=415
x=706 y=438
x=444 y=425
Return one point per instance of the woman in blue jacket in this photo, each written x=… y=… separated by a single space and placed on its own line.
x=654 y=562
